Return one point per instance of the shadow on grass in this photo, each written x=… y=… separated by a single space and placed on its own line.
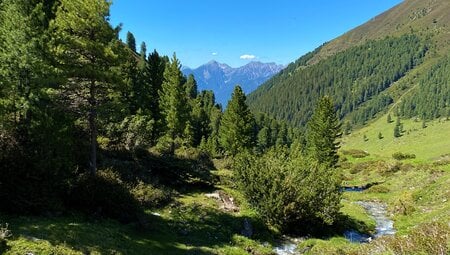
x=177 y=172
x=321 y=231
x=190 y=229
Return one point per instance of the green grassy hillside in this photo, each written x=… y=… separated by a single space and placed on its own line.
x=428 y=144
x=360 y=87
x=409 y=16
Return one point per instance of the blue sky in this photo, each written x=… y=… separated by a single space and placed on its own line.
x=238 y=31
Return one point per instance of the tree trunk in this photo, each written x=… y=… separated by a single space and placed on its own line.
x=93 y=128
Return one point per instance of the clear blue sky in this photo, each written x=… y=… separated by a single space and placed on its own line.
x=238 y=31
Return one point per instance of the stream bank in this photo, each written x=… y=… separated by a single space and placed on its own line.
x=384 y=226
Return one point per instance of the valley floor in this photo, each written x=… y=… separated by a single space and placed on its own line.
x=417 y=196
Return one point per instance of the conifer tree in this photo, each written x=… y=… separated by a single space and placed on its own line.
x=323 y=132
x=398 y=128
x=131 y=41
x=23 y=63
x=85 y=45
x=155 y=70
x=348 y=128
x=191 y=87
x=237 y=128
x=143 y=52
x=173 y=103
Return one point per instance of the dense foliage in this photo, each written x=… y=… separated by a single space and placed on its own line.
x=76 y=100
x=434 y=90
x=292 y=193
x=323 y=131
x=355 y=78
x=237 y=129
x=296 y=186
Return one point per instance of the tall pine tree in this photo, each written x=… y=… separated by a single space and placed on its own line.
x=84 y=45
x=237 y=129
x=23 y=63
x=173 y=103
x=323 y=132
x=131 y=41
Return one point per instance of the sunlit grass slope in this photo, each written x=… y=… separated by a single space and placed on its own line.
x=428 y=144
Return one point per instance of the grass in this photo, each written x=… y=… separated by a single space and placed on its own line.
x=415 y=190
x=191 y=224
x=427 y=144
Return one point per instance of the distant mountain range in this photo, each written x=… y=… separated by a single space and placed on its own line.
x=222 y=78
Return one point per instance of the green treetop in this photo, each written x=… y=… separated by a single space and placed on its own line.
x=237 y=129
x=131 y=41
x=173 y=103
x=323 y=132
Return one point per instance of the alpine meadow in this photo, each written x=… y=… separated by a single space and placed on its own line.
x=108 y=147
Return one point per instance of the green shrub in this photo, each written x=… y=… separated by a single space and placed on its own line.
x=389 y=169
x=355 y=153
x=289 y=192
x=403 y=156
x=378 y=189
x=104 y=194
x=35 y=165
x=149 y=196
x=137 y=131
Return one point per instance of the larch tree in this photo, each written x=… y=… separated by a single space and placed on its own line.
x=84 y=45
x=173 y=104
x=237 y=128
x=323 y=131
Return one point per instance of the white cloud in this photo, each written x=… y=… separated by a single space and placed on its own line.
x=247 y=57
x=214 y=53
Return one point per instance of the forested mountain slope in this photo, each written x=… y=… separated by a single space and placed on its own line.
x=396 y=61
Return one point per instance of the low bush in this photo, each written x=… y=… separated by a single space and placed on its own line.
x=355 y=153
x=378 y=189
x=389 y=169
x=149 y=196
x=104 y=194
x=35 y=165
x=289 y=192
x=403 y=156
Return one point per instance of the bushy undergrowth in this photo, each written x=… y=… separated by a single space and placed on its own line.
x=403 y=156
x=355 y=153
x=104 y=194
x=35 y=164
x=289 y=192
x=150 y=196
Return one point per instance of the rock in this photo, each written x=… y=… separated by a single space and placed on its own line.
x=226 y=201
x=214 y=195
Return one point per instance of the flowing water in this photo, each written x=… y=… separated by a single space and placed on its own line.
x=384 y=226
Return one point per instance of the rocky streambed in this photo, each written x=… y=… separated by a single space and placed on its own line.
x=384 y=226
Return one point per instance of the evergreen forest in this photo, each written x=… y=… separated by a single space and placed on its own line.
x=108 y=148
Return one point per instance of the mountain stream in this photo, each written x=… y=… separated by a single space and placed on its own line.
x=384 y=226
